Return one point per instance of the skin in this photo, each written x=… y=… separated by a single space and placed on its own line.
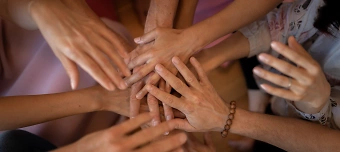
x=70 y=28
x=119 y=138
x=205 y=111
x=160 y=14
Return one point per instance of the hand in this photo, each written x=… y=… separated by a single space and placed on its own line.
x=123 y=138
x=194 y=145
x=202 y=106
x=78 y=37
x=167 y=43
x=305 y=82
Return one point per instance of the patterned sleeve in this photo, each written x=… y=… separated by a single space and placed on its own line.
x=329 y=115
x=258 y=36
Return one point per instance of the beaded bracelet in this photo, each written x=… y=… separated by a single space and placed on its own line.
x=232 y=111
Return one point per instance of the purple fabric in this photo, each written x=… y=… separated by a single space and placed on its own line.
x=29 y=67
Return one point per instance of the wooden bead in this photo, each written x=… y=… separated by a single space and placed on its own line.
x=231 y=116
x=229 y=122
x=232 y=103
x=224 y=133
x=227 y=127
x=232 y=111
x=233 y=106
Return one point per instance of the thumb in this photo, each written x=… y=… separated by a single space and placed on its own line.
x=147 y=37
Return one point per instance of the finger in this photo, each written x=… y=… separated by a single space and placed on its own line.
x=178 y=114
x=277 y=79
x=166 y=98
x=168 y=113
x=91 y=67
x=284 y=67
x=145 y=70
x=146 y=135
x=200 y=71
x=153 y=79
x=176 y=83
x=117 y=41
x=132 y=124
x=139 y=60
x=118 y=60
x=71 y=70
x=208 y=141
x=147 y=37
x=154 y=109
x=185 y=72
x=180 y=149
x=134 y=102
x=107 y=67
x=183 y=124
x=166 y=144
x=283 y=93
x=292 y=43
x=292 y=55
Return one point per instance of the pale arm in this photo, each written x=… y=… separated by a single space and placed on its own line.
x=185 y=13
x=287 y=133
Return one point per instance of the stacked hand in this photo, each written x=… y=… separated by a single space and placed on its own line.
x=304 y=83
x=78 y=37
x=202 y=106
x=124 y=138
x=157 y=46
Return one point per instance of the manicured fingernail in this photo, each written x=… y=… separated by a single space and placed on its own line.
x=137 y=40
x=263 y=58
x=257 y=71
x=159 y=68
x=175 y=60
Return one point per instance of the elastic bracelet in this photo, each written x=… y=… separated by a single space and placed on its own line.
x=232 y=111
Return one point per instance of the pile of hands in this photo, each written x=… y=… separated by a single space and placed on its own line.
x=79 y=38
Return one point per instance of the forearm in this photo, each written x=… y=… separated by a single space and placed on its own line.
x=185 y=13
x=234 y=47
x=17 y=11
x=236 y=15
x=287 y=133
x=161 y=14
x=21 y=111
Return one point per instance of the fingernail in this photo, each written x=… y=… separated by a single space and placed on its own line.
x=275 y=45
x=263 y=58
x=263 y=87
x=73 y=85
x=139 y=95
x=137 y=39
x=257 y=72
x=166 y=133
x=111 y=87
x=159 y=68
x=154 y=122
x=175 y=60
x=123 y=85
x=167 y=118
x=183 y=138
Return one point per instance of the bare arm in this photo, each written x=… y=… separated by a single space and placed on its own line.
x=17 y=11
x=185 y=13
x=161 y=14
x=287 y=133
x=21 y=111
x=232 y=48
